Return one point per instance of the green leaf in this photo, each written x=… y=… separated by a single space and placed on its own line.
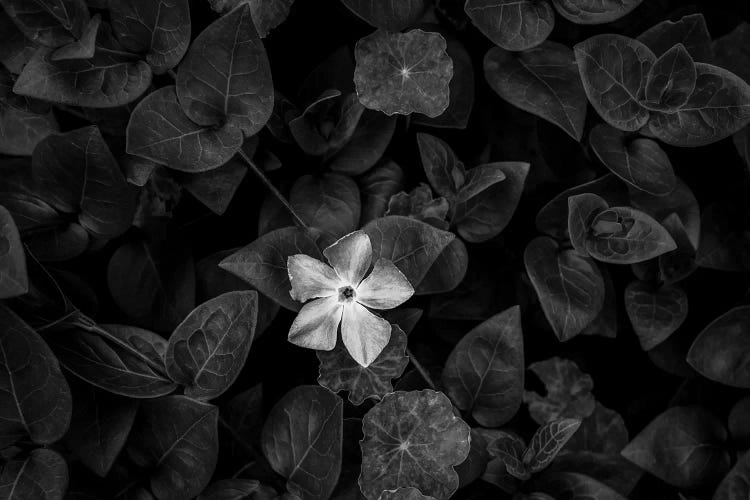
x=225 y=78
x=596 y=11
x=412 y=439
x=568 y=391
x=543 y=80
x=329 y=203
x=582 y=210
x=684 y=447
x=14 y=279
x=403 y=72
x=547 y=442
x=570 y=287
x=302 y=441
x=391 y=16
x=42 y=475
x=722 y=350
x=176 y=438
x=484 y=374
x=655 y=312
x=340 y=372
x=512 y=24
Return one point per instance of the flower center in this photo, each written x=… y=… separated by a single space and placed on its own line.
x=347 y=294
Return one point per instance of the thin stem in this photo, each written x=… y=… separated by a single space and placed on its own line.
x=262 y=176
x=421 y=369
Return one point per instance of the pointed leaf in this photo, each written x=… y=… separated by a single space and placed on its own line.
x=547 y=442
x=236 y=489
x=215 y=188
x=445 y=172
x=14 y=279
x=721 y=352
x=448 y=270
x=48 y=22
x=328 y=202
x=510 y=448
x=601 y=432
x=655 y=313
x=42 y=475
x=85 y=47
x=594 y=11
x=671 y=80
x=691 y=31
x=366 y=145
x=512 y=24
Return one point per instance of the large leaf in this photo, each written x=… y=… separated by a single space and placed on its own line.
x=570 y=287
x=512 y=24
x=177 y=439
x=602 y=432
x=23 y=122
x=390 y=16
x=42 y=475
x=14 y=279
x=655 y=313
x=161 y=132
x=262 y=263
x=543 y=80
x=16 y=49
x=721 y=352
x=594 y=11
x=484 y=374
x=366 y=145
x=209 y=348
x=225 y=79
x=302 y=441
x=736 y=484
x=614 y=70
x=340 y=372
x=35 y=397
x=48 y=22
x=684 y=446
x=680 y=201
x=547 y=442
x=77 y=173
x=448 y=270
x=412 y=439
x=403 y=72
x=718 y=107
x=577 y=487
x=568 y=392
x=157 y=30
x=582 y=210
x=691 y=31
x=215 y=188
x=410 y=244
x=640 y=162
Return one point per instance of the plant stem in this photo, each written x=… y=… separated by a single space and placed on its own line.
x=421 y=369
x=262 y=176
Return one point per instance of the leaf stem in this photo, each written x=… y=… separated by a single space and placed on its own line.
x=262 y=176
x=421 y=369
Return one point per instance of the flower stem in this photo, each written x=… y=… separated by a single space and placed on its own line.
x=262 y=176
x=421 y=369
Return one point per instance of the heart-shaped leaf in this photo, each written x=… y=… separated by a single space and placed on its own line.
x=484 y=374
x=691 y=31
x=543 y=80
x=655 y=313
x=570 y=287
x=390 y=16
x=340 y=372
x=722 y=350
x=582 y=210
x=412 y=439
x=671 y=80
x=594 y=11
x=302 y=441
x=512 y=24
x=614 y=70
x=209 y=348
x=14 y=279
x=568 y=392
x=547 y=442
x=403 y=72
x=42 y=474
x=684 y=446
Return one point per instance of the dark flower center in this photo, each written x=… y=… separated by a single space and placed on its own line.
x=346 y=294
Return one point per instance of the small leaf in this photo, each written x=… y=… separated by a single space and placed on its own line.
x=42 y=475
x=691 y=31
x=655 y=313
x=302 y=441
x=403 y=72
x=390 y=16
x=568 y=392
x=328 y=202
x=614 y=70
x=177 y=439
x=671 y=80
x=639 y=161
x=623 y=235
x=209 y=348
x=340 y=372
x=543 y=80
x=420 y=205
x=594 y=11
x=262 y=263
x=512 y=24
x=225 y=79
x=161 y=132
x=547 y=442
x=14 y=279
x=582 y=210
x=158 y=30
x=569 y=286
x=684 y=446
x=484 y=374
x=510 y=448
x=736 y=484
x=419 y=428
x=445 y=172
x=722 y=350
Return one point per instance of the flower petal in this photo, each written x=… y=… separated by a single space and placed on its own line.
x=351 y=256
x=385 y=288
x=311 y=278
x=364 y=334
x=316 y=325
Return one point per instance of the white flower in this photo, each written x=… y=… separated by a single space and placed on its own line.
x=343 y=297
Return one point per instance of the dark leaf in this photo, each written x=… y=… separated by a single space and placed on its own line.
x=511 y=24
x=684 y=446
x=475 y=464
x=23 y=122
x=177 y=439
x=215 y=188
x=510 y=449
x=340 y=372
x=731 y=51
x=444 y=170
x=594 y=11
x=484 y=374
x=376 y=187
x=569 y=286
x=577 y=487
x=419 y=204
x=406 y=493
x=543 y=80
x=366 y=145
x=671 y=80
x=547 y=442
x=448 y=270
x=42 y=475
x=612 y=470
x=238 y=489
x=691 y=31
x=582 y=210
x=678 y=264
x=602 y=432
x=14 y=279
x=412 y=439
x=268 y=14
x=328 y=202
x=16 y=50
x=404 y=317
x=568 y=392
x=736 y=484
x=48 y=22
x=85 y=47
x=655 y=313
x=302 y=441
x=403 y=72
x=721 y=352
x=391 y=16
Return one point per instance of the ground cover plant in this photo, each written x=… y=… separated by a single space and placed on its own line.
x=357 y=249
